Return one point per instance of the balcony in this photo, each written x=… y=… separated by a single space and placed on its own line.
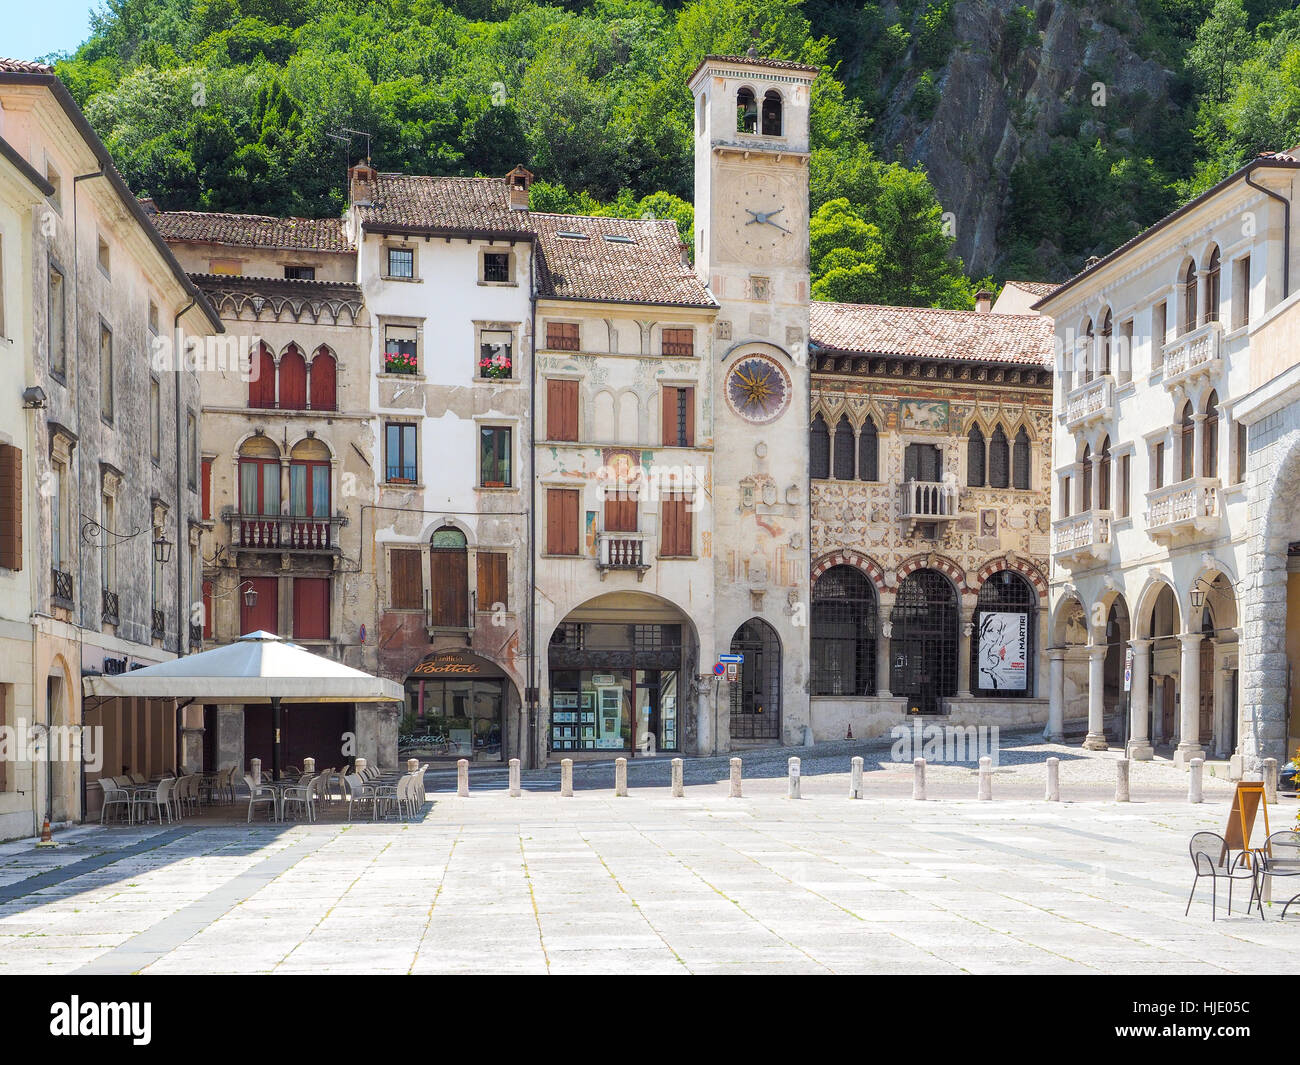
x=1090 y=403
x=1196 y=354
x=293 y=534
x=1187 y=509
x=109 y=613
x=1082 y=540
x=62 y=585
x=158 y=625
x=621 y=551
x=926 y=501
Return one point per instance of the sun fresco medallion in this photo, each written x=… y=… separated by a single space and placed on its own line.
x=758 y=389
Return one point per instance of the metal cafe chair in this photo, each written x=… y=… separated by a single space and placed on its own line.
x=1207 y=851
x=1279 y=856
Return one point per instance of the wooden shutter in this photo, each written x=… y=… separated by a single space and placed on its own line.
x=405 y=581
x=561 y=521
x=449 y=586
x=324 y=382
x=675 y=529
x=561 y=410
x=266 y=614
x=492 y=586
x=205 y=490
x=620 y=513
x=311 y=608
x=678 y=427
x=207 y=610
x=11 y=507
x=690 y=416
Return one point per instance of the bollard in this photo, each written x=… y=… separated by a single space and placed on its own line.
x=255 y=769
x=986 y=778
x=462 y=777
x=360 y=766
x=566 y=777
x=1053 y=780
x=1270 y=781
x=1194 y=780
x=1121 y=780
x=620 y=776
x=413 y=765
x=855 y=779
x=794 y=778
x=735 y=778
x=514 y=778
x=677 y=779
x=918 y=779
x=309 y=766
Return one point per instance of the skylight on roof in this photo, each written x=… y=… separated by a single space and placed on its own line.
x=572 y=236
x=615 y=238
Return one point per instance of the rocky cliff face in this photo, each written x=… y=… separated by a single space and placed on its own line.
x=1008 y=85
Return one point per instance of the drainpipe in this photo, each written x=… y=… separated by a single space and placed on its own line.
x=1286 y=233
x=181 y=630
x=532 y=517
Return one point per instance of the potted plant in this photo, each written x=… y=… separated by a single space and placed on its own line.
x=495 y=366
x=399 y=362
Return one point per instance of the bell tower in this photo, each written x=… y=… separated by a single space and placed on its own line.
x=751 y=249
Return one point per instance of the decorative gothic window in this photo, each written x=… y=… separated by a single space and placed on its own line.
x=293 y=379
x=1211 y=431
x=1002 y=637
x=1103 y=475
x=820 y=449
x=746 y=112
x=844 y=447
x=843 y=633
x=324 y=381
x=975 y=457
x=868 y=452
x=261 y=384
x=1020 y=461
x=923 y=641
x=1212 y=289
x=772 y=113
x=1107 y=329
x=999 y=459
x=1087 y=477
x=1089 y=356
x=1189 y=298
x=1187 y=438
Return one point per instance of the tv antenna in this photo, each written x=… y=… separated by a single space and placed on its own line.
x=350 y=133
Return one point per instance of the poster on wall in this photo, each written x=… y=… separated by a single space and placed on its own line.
x=1003 y=651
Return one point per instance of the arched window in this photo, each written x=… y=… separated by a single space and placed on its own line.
x=1189 y=298
x=819 y=449
x=923 y=641
x=868 y=452
x=756 y=697
x=975 y=457
x=1089 y=355
x=1211 y=431
x=1002 y=637
x=1107 y=328
x=999 y=460
x=449 y=578
x=1020 y=461
x=1188 y=441
x=1212 y=288
x=1103 y=475
x=844 y=447
x=746 y=112
x=843 y=633
x=309 y=494
x=261 y=385
x=772 y=113
x=324 y=384
x=1087 y=477
x=259 y=492
x=293 y=380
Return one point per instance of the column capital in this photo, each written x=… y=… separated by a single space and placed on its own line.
x=1056 y=654
x=1140 y=645
x=1097 y=650
x=1191 y=640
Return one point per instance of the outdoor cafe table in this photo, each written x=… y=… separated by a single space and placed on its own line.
x=1266 y=866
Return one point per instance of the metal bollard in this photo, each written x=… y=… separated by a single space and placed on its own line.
x=735 y=778
x=677 y=779
x=515 y=789
x=918 y=779
x=986 y=778
x=620 y=776
x=1194 y=786
x=855 y=779
x=1053 y=780
x=793 y=769
x=1121 y=780
x=1270 y=781
x=462 y=777
x=566 y=777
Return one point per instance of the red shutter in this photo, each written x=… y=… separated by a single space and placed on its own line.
x=206 y=490
x=562 y=410
x=207 y=610
x=311 y=608
x=492 y=586
x=11 y=507
x=620 y=514
x=265 y=615
x=561 y=521
x=293 y=380
x=675 y=528
x=449 y=586
x=669 y=418
x=324 y=394
x=261 y=389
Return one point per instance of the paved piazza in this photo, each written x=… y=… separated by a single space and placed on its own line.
x=649 y=883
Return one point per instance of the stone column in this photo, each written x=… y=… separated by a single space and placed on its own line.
x=963 y=656
x=882 y=659
x=1096 y=738
x=703 y=719
x=1198 y=446
x=1189 y=716
x=1056 y=695
x=1139 y=744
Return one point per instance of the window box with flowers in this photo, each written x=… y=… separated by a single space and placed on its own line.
x=496 y=349
x=496 y=367
x=400 y=362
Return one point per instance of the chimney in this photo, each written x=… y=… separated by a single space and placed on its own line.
x=360 y=179
x=983 y=301
x=150 y=207
x=519 y=181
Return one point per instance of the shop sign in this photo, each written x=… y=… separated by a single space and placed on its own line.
x=456 y=664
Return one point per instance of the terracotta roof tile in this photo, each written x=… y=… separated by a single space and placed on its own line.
x=920 y=332
x=24 y=66
x=642 y=264
x=778 y=64
x=441 y=205
x=253 y=230
x=1036 y=288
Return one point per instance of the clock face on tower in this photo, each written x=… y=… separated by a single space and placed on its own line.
x=759 y=218
x=758 y=389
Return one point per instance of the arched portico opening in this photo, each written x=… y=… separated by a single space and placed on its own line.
x=923 y=641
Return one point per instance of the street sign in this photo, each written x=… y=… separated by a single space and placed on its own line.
x=737 y=659
x=733 y=674
x=1128 y=669
x=719 y=669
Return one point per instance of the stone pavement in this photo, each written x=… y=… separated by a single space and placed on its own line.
x=651 y=884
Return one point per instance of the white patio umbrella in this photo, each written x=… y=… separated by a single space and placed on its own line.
x=259 y=667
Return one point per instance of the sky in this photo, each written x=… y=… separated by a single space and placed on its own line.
x=31 y=28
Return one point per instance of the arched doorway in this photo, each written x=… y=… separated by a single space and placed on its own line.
x=1004 y=637
x=449 y=579
x=923 y=641
x=456 y=706
x=756 y=697
x=842 y=633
